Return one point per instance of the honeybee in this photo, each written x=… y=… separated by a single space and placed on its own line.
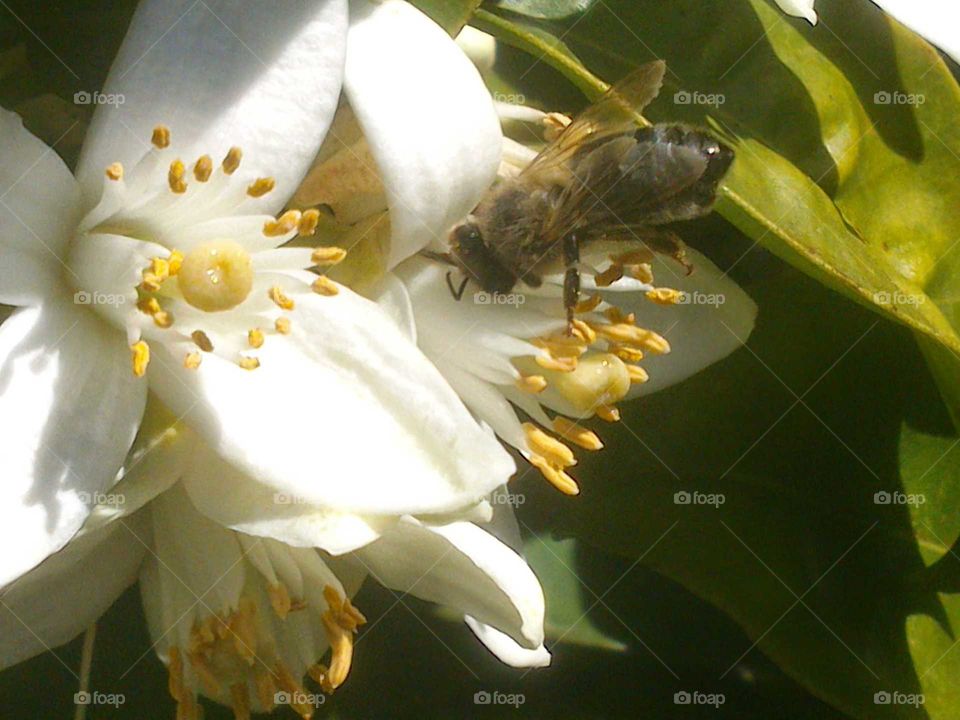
x=603 y=178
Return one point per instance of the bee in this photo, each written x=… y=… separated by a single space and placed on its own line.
x=603 y=178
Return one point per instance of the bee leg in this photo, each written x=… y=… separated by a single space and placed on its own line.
x=571 y=278
x=456 y=292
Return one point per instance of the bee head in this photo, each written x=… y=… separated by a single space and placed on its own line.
x=480 y=262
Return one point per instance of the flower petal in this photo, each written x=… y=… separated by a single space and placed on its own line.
x=261 y=75
x=39 y=199
x=936 y=21
x=65 y=594
x=799 y=8
x=438 y=145
x=345 y=413
x=70 y=407
x=464 y=567
x=507 y=650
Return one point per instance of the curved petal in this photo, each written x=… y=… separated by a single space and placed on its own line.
x=25 y=277
x=262 y=75
x=799 y=8
x=231 y=498
x=70 y=407
x=345 y=413
x=463 y=567
x=506 y=649
x=716 y=318
x=936 y=21
x=65 y=594
x=437 y=146
x=39 y=199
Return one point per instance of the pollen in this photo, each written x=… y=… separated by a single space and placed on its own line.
x=140 y=353
x=578 y=435
x=286 y=223
x=216 y=276
x=282 y=325
x=203 y=168
x=160 y=137
x=231 y=160
x=308 y=222
x=261 y=186
x=175 y=177
x=328 y=256
x=664 y=296
x=115 y=171
x=325 y=286
x=255 y=337
x=280 y=298
x=532 y=383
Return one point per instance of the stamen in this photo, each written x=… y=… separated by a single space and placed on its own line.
x=626 y=334
x=282 y=325
x=162 y=319
x=290 y=685
x=201 y=340
x=266 y=689
x=279 y=600
x=249 y=363
x=641 y=271
x=609 y=276
x=328 y=255
x=284 y=224
x=664 y=296
x=175 y=668
x=584 y=331
x=115 y=171
x=175 y=177
x=588 y=305
x=308 y=222
x=160 y=137
x=280 y=299
x=211 y=686
x=325 y=286
x=532 y=383
x=626 y=353
x=554 y=451
x=255 y=337
x=558 y=478
x=174 y=262
x=192 y=360
x=203 y=168
x=216 y=276
x=578 y=435
x=637 y=374
x=608 y=413
x=240 y=701
x=141 y=357
x=261 y=186
x=563 y=365
x=232 y=160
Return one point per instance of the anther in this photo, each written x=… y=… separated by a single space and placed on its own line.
x=324 y=286
x=641 y=271
x=608 y=413
x=141 y=357
x=160 y=137
x=174 y=262
x=192 y=360
x=664 y=296
x=232 y=160
x=201 y=340
x=255 y=337
x=308 y=222
x=279 y=599
x=249 y=363
x=609 y=276
x=588 y=304
x=261 y=186
x=637 y=374
x=532 y=383
x=115 y=171
x=558 y=478
x=280 y=299
x=203 y=168
x=555 y=452
x=328 y=255
x=578 y=435
x=282 y=325
x=284 y=224
x=175 y=177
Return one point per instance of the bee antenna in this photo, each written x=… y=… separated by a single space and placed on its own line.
x=456 y=292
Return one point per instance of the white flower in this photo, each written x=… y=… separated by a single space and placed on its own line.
x=158 y=267
x=799 y=8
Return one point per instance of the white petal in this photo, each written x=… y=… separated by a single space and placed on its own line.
x=262 y=75
x=345 y=413
x=933 y=19
x=437 y=145
x=70 y=407
x=506 y=648
x=25 y=277
x=799 y=8
x=39 y=199
x=391 y=294
x=59 y=599
x=465 y=568
x=232 y=498
x=718 y=319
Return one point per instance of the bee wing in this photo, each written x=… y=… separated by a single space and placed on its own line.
x=613 y=114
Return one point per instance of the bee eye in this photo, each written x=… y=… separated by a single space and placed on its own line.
x=469 y=236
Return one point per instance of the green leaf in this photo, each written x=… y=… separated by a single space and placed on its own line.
x=546 y=9
x=451 y=15
x=933 y=645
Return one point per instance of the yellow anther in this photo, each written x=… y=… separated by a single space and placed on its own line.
x=191 y=361
x=280 y=298
x=162 y=319
x=641 y=271
x=608 y=413
x=325 y=286
x=240 y=701
x=282 y=325
x=616 y=315
x=261 y=186
x=624 y=334
x=255 y=337
x=174 y=262
x=203 y=168
x=341 y=652
x=588 y=304
x=148 y=306
x=584 y=331
x=175 y=177
x=115 y=171
x=532 y=383
x=232 y=160
x=328 y=255
x=141 y=357
x=609 y=276
x=284 y=224
x=554 y=451
x=201 y=340
x=625 y=353
x=266 y=689
x=637 y=374
x=561 y=365
x=308 y=222
x=562 y=346
x=160 y=137
x=204 y=673
x=216 y=276
x=175 y=668
x=578 y=435
x=558 y=478
x=279 y=599
x=664 y=296
x=249 y=363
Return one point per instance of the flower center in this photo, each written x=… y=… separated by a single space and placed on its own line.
x=216 y=276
